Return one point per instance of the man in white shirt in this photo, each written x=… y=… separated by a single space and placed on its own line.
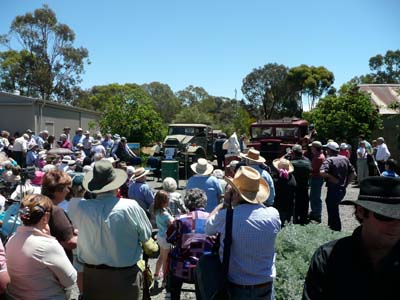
x=382 y=153
x=20 y=148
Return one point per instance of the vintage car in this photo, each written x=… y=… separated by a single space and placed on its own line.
x=273 y=137
x=188 y=142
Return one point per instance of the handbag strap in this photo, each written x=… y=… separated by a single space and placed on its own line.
x=227 y=240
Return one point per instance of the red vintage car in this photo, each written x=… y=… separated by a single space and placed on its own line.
x=273 y=137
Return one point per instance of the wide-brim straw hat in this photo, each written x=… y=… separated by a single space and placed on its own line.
x=250 y=185
x=282 y=163
x=139 y=172
x=103 y=178
x=253 y=155
x=380 y=195
x=202 y=167
x=96 y=143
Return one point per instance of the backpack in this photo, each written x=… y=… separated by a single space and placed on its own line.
x=190 y=241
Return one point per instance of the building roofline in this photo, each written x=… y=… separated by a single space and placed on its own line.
x=47 y=103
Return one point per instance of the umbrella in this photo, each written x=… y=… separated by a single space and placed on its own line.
x=59 y=151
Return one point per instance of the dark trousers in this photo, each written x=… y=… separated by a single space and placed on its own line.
x=112 y=284
x=315 y=198
x=334 y=195
x=19 y=157
x=301 y=205
x=220 y=161
x=174 y=286
x=381 y=166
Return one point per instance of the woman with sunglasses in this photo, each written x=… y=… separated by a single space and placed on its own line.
x=37 y=264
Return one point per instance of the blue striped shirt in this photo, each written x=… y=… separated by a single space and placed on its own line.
x=254 y=230
x=210 y=185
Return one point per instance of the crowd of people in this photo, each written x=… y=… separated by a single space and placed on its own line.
x=81 y=218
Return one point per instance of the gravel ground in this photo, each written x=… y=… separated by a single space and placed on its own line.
x=349 y=223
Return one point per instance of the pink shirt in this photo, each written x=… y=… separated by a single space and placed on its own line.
x=38 y=266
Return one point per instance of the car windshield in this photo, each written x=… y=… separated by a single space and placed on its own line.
x=184 y=130
x=288 y=132
x=281 y=132
x=260 y=132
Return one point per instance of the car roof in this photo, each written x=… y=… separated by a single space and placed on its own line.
x=187 y=125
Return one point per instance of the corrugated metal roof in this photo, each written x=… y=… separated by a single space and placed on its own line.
x=382 y=95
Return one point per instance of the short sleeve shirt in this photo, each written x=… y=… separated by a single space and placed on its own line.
x=162 y=220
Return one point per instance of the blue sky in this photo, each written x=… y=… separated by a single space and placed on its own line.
x=216 y=43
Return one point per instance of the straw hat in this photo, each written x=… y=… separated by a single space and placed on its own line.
x=66 y=159
x=282 y=163
x=139 y=172
x=202 y=167
x=103 y=178
x=250 y=185
x=96 y=143
x=253 y=155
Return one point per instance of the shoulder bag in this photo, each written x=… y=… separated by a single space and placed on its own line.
x=211 y=275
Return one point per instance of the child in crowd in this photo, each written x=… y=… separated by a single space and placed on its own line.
x=163 y=220
x=390 y=168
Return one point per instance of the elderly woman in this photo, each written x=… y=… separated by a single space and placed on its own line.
x=176 y=204
x=187 y=233
x=37 y=264
x=56 y=185
x=64 y=142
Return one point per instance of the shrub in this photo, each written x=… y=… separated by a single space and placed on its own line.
x=295 y=246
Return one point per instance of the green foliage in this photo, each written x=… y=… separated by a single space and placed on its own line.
x=48 y=66
x=311 y=81
x=164 y=100
x=192 y=95
x=128 y=111
x=385 y=69
x=294 y=248
x=192 y=115
x=269 y=94
x=345 y=115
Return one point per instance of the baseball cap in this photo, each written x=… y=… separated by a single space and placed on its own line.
x=333 y=146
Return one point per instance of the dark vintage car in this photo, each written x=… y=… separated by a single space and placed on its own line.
x=273 y=137
x=188 y=142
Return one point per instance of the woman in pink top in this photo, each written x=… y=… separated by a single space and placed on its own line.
x=37 y=264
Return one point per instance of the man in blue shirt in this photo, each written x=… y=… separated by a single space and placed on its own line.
x=202 y=180
x=111 y=231
x=78 y=137
x=140 y=191
x=254 y=229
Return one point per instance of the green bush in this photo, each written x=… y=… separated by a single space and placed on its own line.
x=294 y=248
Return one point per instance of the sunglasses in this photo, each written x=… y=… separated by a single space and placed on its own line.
x=383 y=218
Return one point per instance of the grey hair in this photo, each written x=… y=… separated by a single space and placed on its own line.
x=218 y=173
x=195 y=198
x=169 y=185
x=97 y=156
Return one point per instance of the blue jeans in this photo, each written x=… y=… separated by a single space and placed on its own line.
x=334 y=195
x=315 y=197
x=238 y=293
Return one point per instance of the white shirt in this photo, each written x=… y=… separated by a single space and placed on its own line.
x=38 y=266
x=361 y=152
x=382 y=152
x=98 y=149
x=20 y=144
